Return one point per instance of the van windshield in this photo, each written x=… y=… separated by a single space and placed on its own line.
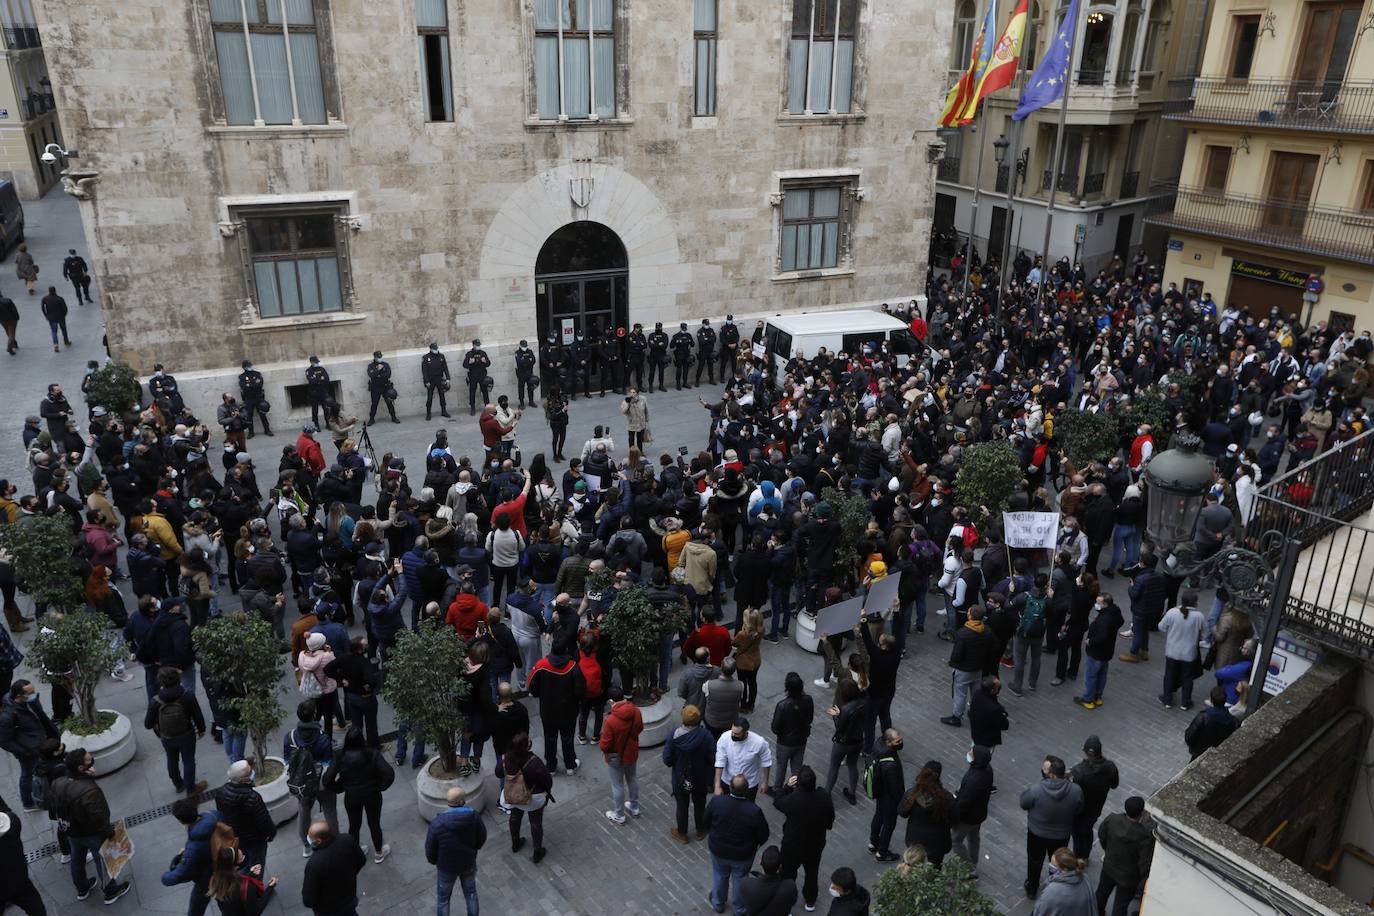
x=778 y=341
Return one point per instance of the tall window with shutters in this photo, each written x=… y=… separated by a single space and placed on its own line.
x=704 y=35
x=269 y=61
x=820 y=65
x=815 y=216
x=294 y=257
x=436 y=85
x=574 y=59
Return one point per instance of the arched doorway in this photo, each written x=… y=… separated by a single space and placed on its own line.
x=582 y=281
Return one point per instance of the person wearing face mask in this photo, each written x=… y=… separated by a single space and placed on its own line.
x=886 y=786
x=658 y=343
x=379 y=387
x=580 y=357
x=163 y=389
x=251 y=387
x=970 y=809
x=682 y=345
x=1051 y=806
x=329 y=886
x=434 y=372
x=736 y=828
x=83 y=806
x=1271 y=452
x=1142 y=448
x=1098 y=649
x=850 y=897
x=525 y=380
x=476 y=362
x=24 y=726
x=609 y=360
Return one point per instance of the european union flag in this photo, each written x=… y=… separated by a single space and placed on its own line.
x=1046 y=84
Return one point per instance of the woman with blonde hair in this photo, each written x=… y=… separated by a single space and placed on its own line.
x=912 y=856
x=1068 y=892
x=748 y=657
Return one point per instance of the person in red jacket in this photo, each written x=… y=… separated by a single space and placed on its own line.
x=492 y=430
x=309 y=450
x=710 y=634
x=620 y=743
x=466 y=611
x=557 y=682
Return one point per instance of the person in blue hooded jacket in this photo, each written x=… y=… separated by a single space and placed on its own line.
x=193 y=864
x=451 y=846
x=765 y=495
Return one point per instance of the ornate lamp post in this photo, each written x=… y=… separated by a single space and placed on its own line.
x=1178 y=480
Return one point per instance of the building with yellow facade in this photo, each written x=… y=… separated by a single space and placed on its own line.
x=1275 y=205
x=28 y=111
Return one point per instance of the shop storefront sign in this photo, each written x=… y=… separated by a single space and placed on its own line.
x=1281 y=275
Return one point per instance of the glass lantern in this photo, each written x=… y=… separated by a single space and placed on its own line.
x=1177 y=481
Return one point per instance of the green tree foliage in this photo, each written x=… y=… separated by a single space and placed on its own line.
x=925 y=890
x=635 y=626
x=1148 y=407
x=850 y=511
x=113 y=386
x=242 y=654
x=989 y=473
x=74 y=649
x=424 y=684
x=1086 y=437
x=42 y=555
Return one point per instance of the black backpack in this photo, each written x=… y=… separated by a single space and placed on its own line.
x=173 y=721
x=303 y=771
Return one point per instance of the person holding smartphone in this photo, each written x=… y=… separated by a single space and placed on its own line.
x=636 y=411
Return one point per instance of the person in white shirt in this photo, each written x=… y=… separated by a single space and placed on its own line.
x=741 y=752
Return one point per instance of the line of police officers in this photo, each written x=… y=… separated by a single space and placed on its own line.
x=613 y=359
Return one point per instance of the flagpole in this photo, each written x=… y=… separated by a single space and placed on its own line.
x=977 y=190
x=1018 y=129
x=1055 y=166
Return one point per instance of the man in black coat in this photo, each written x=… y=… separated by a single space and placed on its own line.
x=1149 y=593
x=970 y=649
x=987 y=716
x=434 y=372
x=769 y=893
x=78 y=800
x=55 y=310
x=24 y=726
x=971 y=806
x=1211 y=726
x=1096 y=776
x=253 y=388
x=242 y=808
x=317 y=388
x=476 y=362
x=379 y=387
x=329 y=886
x=888 y=788
x=737 y=828
x=16 y=888
x=809 y=814
x=884 y=657
x=74 y=269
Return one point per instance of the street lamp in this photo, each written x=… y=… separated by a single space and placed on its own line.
x=999 y=151
x=1178 y=479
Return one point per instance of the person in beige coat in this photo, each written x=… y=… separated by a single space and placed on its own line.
x=636 y=411
x=698 y=562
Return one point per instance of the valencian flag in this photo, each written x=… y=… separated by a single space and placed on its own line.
x=962 y=100
x=1006 y=56
x=1046 y=84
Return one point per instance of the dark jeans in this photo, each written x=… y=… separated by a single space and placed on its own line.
x=444 y=889
x=200 y=900
x=1083 y=836
x=362 y=712
x=80 y=846
x=1038 y=850
x=517 y=817
x=554 y=732
x=59 y=325
x=1070 y=656
x=697 y=798
x=502 y=577
x=560 y=435
x=26 y=766
x=593 y=708
x=807 y=861
x=356 y=804
x=1178 y=674
x=1125 y=893
x=750 y=681
x=780 y=598
x=883 y=823
x=848 y=754
x=181 y=760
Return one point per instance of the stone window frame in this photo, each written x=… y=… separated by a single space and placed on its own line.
x=858 y=78
x=621 y=33
x=851 y=197
x=234 y=210
x=219 y=122
x=446 y=33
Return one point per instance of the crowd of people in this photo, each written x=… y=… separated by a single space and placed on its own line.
x=525 y=558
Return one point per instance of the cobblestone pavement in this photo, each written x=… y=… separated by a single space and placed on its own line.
x=595 y=867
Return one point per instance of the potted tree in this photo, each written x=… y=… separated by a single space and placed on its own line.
x=1085 y=437
x=850 y=511
x=115 y=387
x=424 y=684
x=241 y=653
x=636 y=626
x=989 y=474
x=924 y=890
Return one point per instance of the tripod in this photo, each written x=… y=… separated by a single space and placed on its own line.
x=365 y=443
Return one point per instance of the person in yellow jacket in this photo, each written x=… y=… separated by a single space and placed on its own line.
x=674 y=540
x=159 y=530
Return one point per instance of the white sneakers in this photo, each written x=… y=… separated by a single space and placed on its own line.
x=632 y=810
x=382 y=853
x=821 y=682
x=616 y=818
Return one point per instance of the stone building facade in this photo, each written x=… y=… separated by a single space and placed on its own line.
x=270 y=179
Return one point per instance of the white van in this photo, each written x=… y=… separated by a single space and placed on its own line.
x=843 y=331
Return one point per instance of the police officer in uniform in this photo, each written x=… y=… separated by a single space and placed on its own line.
x=316 y=388
x=581 y=360
x=608 y=349
x=524 y=373
x=682 y=355
x=379 y=387
x=658 y=355
x=554 y=359
x=164 y=387
x=476 y=363
x=635 y=348
x=706 y=350
x=434 y=372
x=729 y=346
x=251 y=385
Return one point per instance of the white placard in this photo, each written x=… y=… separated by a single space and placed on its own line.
x=839 y=617
x=882 y=595
x=1031 y=529
x=569 y=325
x=760 y=351
x=1288 y=662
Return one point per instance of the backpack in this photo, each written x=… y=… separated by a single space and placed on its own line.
x=591 y=673
x=188 y=586
x=928 y=563
x=303 y=772
x=1033 y=617
x=516 y=791
x=871 y=779
x=172 y=719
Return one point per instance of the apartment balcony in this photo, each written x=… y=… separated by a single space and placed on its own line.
x=1068 y=182
x=1130 y=181
x=1298 y=228
x=947 y=170
x=1307 y=105
x=22 y=38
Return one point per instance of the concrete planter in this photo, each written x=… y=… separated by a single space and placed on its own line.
x=281 y=804
x=431 y=792
x=804 y=632
x=659 y=722
x=111 y=749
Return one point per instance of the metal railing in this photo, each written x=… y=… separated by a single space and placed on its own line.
x=1091 y=78
x=1094 y=182
x=947 y=170
x=1345 y=234
x=1299 y=104
x=1129 y=182
x=1125 y=77
x=1068 y=182
x=18 y=39
x=1314 y=506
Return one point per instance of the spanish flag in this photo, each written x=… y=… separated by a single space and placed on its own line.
x=963 y=95
x=1006 y=57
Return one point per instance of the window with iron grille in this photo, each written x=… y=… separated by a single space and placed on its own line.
x=269 y=61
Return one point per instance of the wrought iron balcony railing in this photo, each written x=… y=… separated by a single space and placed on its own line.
x=1297 y=227
x=1068 y=182
x=1129 y=182
x=947 y=170
x=1297 y=104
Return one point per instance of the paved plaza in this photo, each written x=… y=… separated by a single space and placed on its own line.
x=593 y=867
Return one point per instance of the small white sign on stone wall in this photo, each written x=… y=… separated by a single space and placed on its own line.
x=432 y=261
x=515 y=289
